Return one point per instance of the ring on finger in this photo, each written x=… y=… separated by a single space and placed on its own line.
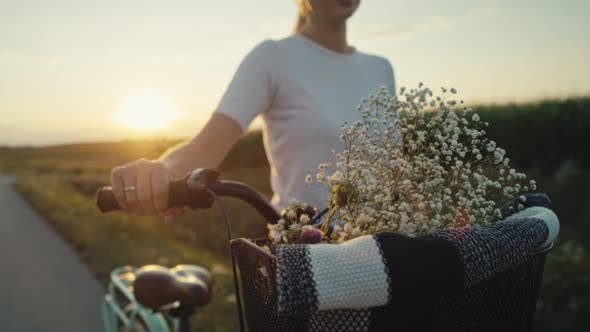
x=129 y=188
x=133 y=200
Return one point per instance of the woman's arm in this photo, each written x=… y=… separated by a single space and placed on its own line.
x=147 y=180
x=206 y=150
x=250 y=92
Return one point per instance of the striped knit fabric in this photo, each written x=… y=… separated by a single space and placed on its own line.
x=385 y=271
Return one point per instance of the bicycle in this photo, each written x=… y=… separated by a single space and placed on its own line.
x=136 y=300
x=155 y=298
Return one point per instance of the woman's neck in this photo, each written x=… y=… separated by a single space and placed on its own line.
x=329 y=35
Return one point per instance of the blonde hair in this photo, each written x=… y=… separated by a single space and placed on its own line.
x=302 y=16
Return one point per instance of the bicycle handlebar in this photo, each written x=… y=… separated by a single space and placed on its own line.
x=195 y=191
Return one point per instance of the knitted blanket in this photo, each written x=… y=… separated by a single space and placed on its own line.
x=370 y=273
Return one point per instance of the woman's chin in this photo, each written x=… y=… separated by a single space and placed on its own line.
x=342 y=14
x=346 y=12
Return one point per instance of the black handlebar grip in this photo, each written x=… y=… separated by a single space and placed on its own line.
x=106 y=201
x=179 y=196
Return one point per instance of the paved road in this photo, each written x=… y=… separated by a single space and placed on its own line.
x=43 y=285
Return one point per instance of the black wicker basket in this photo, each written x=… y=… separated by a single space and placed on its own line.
x=505 y=303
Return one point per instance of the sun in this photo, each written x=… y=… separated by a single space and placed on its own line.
x=147 y=111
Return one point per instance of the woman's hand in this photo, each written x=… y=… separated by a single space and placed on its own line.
x=141 y=187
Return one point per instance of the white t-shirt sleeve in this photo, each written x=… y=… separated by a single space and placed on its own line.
x=390 y=77
x=252 y=88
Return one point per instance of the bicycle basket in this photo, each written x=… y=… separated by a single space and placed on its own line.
x=506 y=302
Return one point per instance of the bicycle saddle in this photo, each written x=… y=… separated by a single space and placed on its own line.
x=156 y=286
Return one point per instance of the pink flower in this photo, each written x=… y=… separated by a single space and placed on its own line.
x=310 y=235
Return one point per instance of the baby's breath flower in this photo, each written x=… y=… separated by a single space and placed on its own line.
x=291 y=214
x=363 y=218
x=348 y=227
x=275 y=236
x=533 y=185
x=337 y=177
x=356 y=232
x=304 y=219
x=411 y=164
x=498 y=213
x=295 y=228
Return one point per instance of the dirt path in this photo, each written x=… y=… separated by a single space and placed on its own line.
x=43 y=284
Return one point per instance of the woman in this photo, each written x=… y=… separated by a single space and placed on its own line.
x=305 y=87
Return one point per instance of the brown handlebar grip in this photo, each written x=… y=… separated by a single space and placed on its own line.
x=106 y=201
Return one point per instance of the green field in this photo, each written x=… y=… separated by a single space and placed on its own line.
x=547 y=139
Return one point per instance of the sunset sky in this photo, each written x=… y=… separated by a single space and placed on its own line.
x=70 y=69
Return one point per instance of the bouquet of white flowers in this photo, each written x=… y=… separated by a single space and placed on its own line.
x=415 y=163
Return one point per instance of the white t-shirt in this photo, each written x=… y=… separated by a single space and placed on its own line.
x=304 y=92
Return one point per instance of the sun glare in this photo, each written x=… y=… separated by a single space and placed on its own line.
x=146 y=111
